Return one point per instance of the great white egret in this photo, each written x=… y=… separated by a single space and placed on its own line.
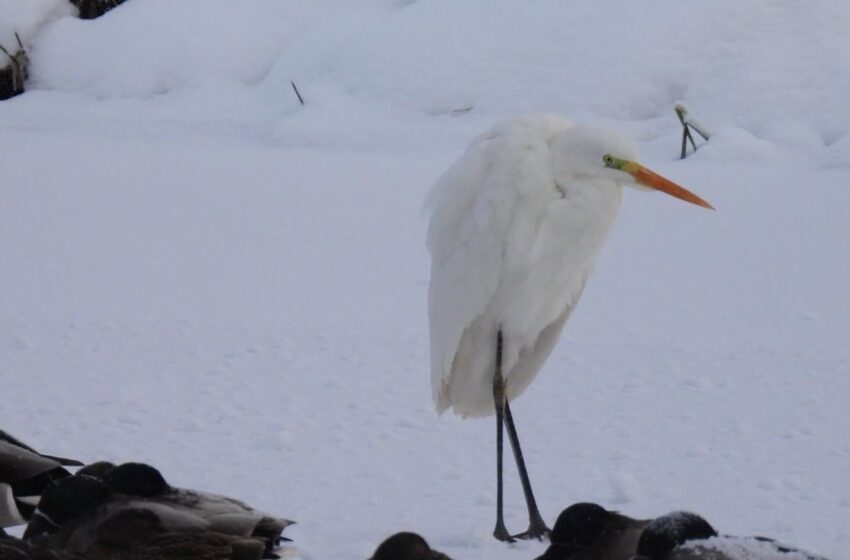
x=515 y=227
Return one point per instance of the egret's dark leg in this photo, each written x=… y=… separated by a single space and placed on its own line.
x=500 y=532
x=536 y=526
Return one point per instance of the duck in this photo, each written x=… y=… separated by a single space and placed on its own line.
x=12 y=548
x=683 y=535
x=406 y=545
x=588 y=531
x=24 y=474
x=130 y=512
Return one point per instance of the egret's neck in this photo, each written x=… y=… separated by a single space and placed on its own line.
x=592 y=205
x=584 y=217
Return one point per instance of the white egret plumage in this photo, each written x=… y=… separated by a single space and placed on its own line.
x=515 y=227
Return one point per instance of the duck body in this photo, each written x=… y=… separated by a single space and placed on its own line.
x=131 y=513
x=12 y=548
x=687 y=536
x=24 y=474
x=587 y=531
x=737 y=548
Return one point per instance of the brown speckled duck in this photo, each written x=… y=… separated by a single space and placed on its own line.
x=129 y=512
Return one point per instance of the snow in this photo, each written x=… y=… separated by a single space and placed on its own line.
x=26 y=17
x=200 y=273
x=165 y=45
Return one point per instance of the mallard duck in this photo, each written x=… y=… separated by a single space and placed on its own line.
x=587 y=531
x=24 y=474
x=129 y=512
x=406 y=546
x=687 y=536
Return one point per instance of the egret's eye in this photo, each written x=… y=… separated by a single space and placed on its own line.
x=608 y=160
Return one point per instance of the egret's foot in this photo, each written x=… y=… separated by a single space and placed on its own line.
x=537 y=529
x=501 y=533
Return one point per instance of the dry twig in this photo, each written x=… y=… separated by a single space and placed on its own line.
x=688 y=123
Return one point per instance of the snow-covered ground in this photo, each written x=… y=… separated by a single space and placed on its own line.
x=198 y=272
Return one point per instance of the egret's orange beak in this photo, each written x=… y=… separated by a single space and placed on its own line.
x=653 y=180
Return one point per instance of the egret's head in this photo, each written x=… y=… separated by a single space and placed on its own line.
x=583 y=152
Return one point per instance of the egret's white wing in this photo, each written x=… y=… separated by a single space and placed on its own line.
x=472 y=230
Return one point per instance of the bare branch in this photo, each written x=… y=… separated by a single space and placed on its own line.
x=688 y=119
x=688 y=122
x=297 y=93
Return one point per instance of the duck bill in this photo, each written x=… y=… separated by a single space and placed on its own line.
x=651 y=179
